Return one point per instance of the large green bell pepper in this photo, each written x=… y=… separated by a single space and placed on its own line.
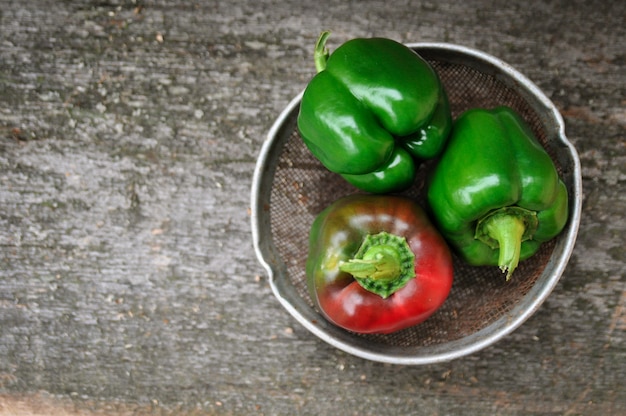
x=372 y=111
x=496 y=194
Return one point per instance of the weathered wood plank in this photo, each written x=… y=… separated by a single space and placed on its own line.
x=128 y=284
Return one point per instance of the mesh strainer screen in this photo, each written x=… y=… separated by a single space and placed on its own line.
x=302 y=187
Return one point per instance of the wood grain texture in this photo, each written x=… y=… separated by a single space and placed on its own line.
x=129 y=131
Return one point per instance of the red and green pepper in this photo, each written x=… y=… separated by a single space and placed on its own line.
x=376 y=264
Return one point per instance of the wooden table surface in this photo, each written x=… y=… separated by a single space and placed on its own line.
x=129 y=131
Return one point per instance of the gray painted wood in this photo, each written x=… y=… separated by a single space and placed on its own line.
x=129 y=132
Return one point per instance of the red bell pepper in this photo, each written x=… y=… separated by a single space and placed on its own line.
x=376 y=264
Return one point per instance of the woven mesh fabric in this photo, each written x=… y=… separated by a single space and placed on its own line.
x=302 y=187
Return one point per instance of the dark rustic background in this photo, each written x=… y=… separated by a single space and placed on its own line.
x=129 y=132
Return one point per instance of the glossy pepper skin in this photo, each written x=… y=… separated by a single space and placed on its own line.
x=495 y=193
x=376 y=264
x=374 y=109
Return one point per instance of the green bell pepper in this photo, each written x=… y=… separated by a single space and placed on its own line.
x=495 y=193
x=374 y=109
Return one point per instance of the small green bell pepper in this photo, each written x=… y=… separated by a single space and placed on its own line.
x=374 y=109
x=495 y=193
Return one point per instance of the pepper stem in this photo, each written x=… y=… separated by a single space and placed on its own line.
x=505 y=229
x=383 y=264
x=321 y=54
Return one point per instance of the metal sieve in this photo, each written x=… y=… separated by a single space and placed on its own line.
x=290 y=187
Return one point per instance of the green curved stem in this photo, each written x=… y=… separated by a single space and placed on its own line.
x=321 y=54
x=383 y=264
x=379 y=262
x=505 y=229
